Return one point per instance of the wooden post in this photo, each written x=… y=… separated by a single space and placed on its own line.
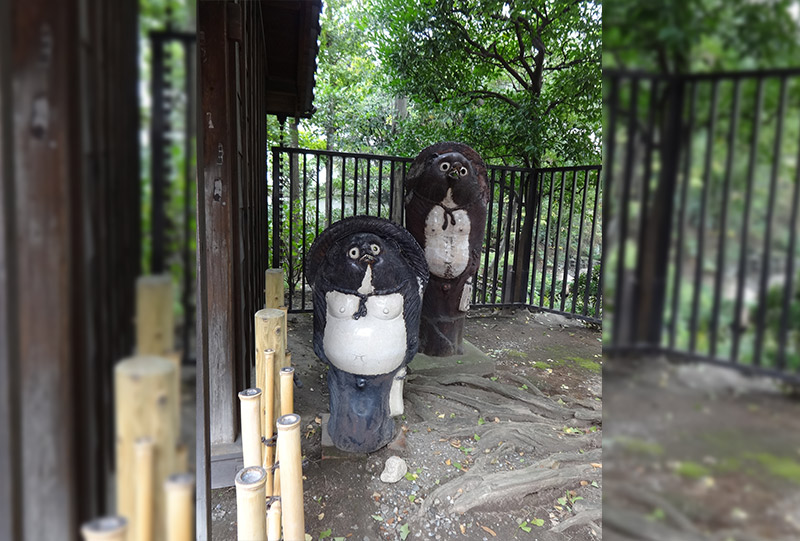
x=105 y=529
x=144 y=403
x=269 y=414
x=250 y=400
x=285 y=311
x=143 y=504
x=179 y=493
x=270 y=334
x=181 y=457
x=251 y=513
x=273 y=289
x=155 y=318
x=287 y=390
x=175 y=358
x=291 y=477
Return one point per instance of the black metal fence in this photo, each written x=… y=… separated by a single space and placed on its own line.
x=703 y=181
x=542 y=246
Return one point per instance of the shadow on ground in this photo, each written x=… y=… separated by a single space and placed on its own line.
x=510 y=455
x=698 y=452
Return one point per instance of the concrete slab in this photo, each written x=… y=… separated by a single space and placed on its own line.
x=473 y=361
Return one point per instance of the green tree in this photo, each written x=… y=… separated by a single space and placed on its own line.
x=518 y=81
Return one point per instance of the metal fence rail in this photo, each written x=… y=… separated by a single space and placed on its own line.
x=542 y=244
x=703 y=177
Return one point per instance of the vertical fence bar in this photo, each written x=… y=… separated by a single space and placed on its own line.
x=290 y=244
x=487 y=242
x=789 y=289
x=589 y=269
x=303 y=254
x=366 y=194
x=687 y=171
x=555 y=248
x=276 y=207
x=344 y=160
x=519 y=252
x=498 y=236
x=575 y=281
x=507 y=238
x=316 y=204
x=723 y=221
x=329 y=165
x=355 y=187
x=546 y=239
x=539 y=178
x=762 y=288
x=742 y=271
x=569 y=235
x=619 y=295
x=380 y=185
x=392 y=188
x=701 y=228
x=610 y=154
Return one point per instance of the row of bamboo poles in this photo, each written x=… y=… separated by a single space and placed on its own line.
x=269 y=488
x=155 y=489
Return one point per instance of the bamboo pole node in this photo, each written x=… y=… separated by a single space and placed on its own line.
x=250 y=401
x=274 y=521
x=291 y=470
x=251 y=513
x=110 y=528
x=179 y=490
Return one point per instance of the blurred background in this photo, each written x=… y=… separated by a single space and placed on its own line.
x=701 y=331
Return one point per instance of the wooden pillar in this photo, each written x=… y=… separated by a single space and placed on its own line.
x=273 y=289
x=155 y=316
x=143 y=408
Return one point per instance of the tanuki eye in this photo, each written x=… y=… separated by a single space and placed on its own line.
x=354 y=252
x=375 y=249
x=444 y=166
x=463 y=171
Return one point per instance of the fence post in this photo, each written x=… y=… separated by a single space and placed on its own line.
x=276 y=207
x=650 y=286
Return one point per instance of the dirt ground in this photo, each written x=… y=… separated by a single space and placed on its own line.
x=512 y=455
x=698 y=452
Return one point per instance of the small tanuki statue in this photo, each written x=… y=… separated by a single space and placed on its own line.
x=368 y=276
x=446 y=196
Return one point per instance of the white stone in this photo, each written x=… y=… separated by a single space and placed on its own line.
x=394 y=469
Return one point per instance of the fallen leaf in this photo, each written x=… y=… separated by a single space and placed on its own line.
x=584 y=483
x=463 y=529
x=447 y=461
x=488 y=530
x=596 y=465
x=320 y=516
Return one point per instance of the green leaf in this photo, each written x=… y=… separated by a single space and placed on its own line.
x=480 y=421
x=538 y=522
x=524 y=527
x=378 y=518
x=412 y=497
x=403 y=532
x=325 y=533
x=476 y=437
x=562 y=500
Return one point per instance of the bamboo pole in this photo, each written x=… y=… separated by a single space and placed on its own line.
x=144 y=403
x=292 y=519
x=285 y=311
x=269 y=334
x=105 y=529
x=250 y=401
x=175 y=358
x=251 y=513
x=269 y=413
x=155 y=318
x=274 y=521
x=179 y=491
x=181 y=457
x=144 y=450
x=287 y=390
x=273 y=288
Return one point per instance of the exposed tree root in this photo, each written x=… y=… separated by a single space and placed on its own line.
x=581 y=519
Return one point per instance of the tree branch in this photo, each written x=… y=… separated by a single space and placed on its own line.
x=490 y=94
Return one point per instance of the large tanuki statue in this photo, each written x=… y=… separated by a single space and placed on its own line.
x=446 y=196
x=368 y=276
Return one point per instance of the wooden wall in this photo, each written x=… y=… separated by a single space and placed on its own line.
x=69 y=253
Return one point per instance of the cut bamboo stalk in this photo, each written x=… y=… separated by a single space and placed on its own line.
x=105 y=529
x=175 y=358
x=285 y=311
x=287 y=390
x=181 y=458
x=274 y=521
x=155 y=318
x=251 y=515
x=269 y=334
x=250 y=401
x=292 y=518
x=144 y=403
x=179 y=492
x=273 y=288
x=269 y=413
x=144 y=450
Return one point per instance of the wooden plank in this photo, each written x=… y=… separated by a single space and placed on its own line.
x=10 y=473
x=44 y=149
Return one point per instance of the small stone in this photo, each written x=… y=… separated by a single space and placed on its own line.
x=394 y=469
